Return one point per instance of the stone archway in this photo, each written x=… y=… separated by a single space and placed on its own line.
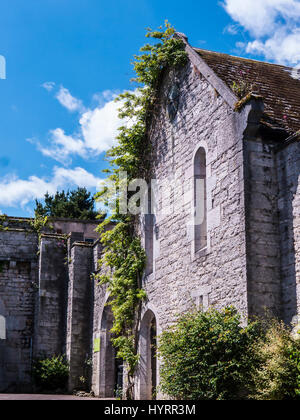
x=147 y=373
x=110 y=369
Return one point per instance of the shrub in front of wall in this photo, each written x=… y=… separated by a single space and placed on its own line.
x=208 y=356
x=278 y=374
x=51 y=374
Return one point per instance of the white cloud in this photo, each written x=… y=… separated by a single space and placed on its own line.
x=100 y=127
x=68 y=101
x=274 y=25
x=107 y=95
x=296 y=72
x=49 y=86
x=231 y=29
x=97 y=132
x=15 y=192
x=62 y=146
x=282 y=47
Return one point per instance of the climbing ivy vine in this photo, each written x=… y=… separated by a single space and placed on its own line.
x=3 y=219
x=124 y=256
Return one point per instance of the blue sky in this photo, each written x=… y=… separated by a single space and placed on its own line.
x=67 y=59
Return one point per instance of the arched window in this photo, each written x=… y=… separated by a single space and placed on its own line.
x=149 y=232
x=110 y=368
x=200 y=205
x=148 y=370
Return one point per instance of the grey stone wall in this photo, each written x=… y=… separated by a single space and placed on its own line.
x=79 y=316
x=218 y=276
x=37 y=297
x=288 y=165
x=84 y=227
x=263 y=240
x=18 y=285
x=51 y=308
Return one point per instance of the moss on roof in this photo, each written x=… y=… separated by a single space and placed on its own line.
x=278 y=85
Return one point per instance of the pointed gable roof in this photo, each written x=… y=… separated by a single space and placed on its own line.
x=278 y=85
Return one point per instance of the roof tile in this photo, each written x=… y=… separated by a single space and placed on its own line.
x=275 y=83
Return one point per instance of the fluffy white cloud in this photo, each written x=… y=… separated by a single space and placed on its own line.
x=274 y=25
x=97 y=132
x=261 y=17
x=62 y=146
x=283 y=47
x=68 y=101
x=100 y=127
x=15 y=192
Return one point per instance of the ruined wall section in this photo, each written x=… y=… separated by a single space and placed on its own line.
x=79 y=315
x=18 y=287
x=288 y=167
x=51 y=305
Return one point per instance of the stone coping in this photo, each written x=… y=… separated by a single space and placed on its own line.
x=54 y=236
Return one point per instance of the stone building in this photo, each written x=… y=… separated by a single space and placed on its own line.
x=245 y=251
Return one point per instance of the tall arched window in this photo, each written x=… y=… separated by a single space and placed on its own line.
x=109 y=366
x=149 y=232
x=148 y=369
x=200 y=205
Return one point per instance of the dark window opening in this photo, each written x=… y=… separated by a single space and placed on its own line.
x=200 y=200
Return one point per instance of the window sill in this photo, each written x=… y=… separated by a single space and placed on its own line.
x=202 y=253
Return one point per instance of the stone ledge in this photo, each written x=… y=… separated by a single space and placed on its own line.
x=82 y=244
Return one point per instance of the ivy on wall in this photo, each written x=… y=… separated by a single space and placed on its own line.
x=3 y=219
x=124 y=256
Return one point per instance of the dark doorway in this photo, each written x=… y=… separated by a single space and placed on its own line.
x=119 y=378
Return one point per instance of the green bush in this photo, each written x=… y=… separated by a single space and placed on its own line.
x=51 y=374
x=278 y=374
x=208 y=356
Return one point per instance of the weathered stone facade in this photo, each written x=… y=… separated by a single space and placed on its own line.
x=18 y=277
x=45 y=299
x=249 y=255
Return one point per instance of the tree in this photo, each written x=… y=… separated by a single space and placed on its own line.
x=76 y=204
x=278 y=374
x=208 y=356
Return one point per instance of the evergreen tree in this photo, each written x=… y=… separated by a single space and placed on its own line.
x=76 y=204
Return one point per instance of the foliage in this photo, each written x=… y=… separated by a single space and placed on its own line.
x=76 y=204
x=39 y=223
x=278 y=374
x=3 y=219
x=208 y=356
x=126 y=261
x=51 y=374
x=123 y=255
x=242 y=88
